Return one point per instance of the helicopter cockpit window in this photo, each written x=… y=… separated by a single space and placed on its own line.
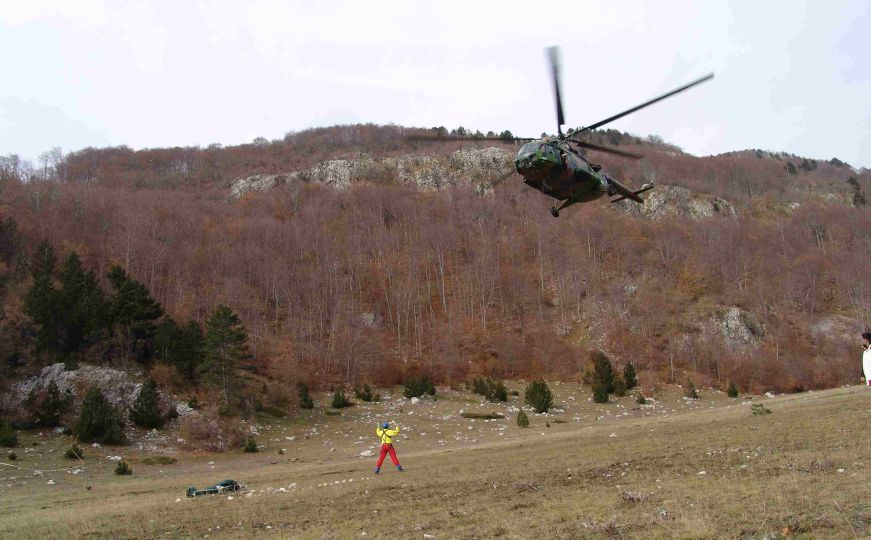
x=528 y=149
x=547 y=151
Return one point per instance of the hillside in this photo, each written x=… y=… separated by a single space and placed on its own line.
x=748 y=267
x=674 y=468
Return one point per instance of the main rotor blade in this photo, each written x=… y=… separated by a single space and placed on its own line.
x=553 y=55
x=448 y=138
x=707 y=77
x=607 y=149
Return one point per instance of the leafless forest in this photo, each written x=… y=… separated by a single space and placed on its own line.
x=379 y=280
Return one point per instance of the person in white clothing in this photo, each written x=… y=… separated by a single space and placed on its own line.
x=866 y=357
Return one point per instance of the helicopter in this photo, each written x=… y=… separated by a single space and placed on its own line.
x=558 y=167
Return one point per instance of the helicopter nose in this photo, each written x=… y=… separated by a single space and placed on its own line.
x=527 y=163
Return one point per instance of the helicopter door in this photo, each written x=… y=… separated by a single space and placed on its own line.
x=551 y=154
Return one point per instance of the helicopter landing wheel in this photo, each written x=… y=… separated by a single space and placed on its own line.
x=554 y=212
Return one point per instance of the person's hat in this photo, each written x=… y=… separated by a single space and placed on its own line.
x=385 y=425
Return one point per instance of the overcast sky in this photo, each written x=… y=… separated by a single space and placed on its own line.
x=790 y=75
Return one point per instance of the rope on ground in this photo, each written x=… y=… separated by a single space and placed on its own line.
x=40 y=470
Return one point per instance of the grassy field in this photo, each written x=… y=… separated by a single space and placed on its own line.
x=674 y=469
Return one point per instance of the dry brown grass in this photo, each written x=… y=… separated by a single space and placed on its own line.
x=798 y=472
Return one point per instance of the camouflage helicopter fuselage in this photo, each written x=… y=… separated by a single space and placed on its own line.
x=554 y=168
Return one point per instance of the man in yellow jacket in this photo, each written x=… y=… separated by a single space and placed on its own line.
x=386 y=434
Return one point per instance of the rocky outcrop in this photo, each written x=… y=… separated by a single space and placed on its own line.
x=735 y=326
x=477 y=167
x=258 y=182
x=117 y=386
x=664 y=201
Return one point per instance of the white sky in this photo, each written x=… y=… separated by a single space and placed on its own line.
x=791 y=75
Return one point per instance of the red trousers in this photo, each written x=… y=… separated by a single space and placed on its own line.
x=385 y=449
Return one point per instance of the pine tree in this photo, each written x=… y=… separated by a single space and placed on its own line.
x=859 y=198
x=339 y=400
x=51 y=408
x=226 y=350
x=146 y=409
x=629 y=376
x=732 y=391
x=41 y=300
x=603 y=372
x=538 y=396
x=417 y=386
x=10 y=240
x=133 y=310
x=180 y=346
x=305 y=400
x=99 y=421
x=81 y=306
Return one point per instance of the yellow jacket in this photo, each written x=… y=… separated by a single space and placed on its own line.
x=387 y=434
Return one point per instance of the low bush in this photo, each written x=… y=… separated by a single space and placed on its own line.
x=600 y=392
x=758 y=408
x=339 y=400
x=8 y=436
x=12 y=456
x=364 y=393
x=522 y=419
x=251 y=445
x=630 y=377
x=690 y=391
x=53 y=405
x=204 y=433
x=74 y=452
x=493 y=391
x=640 y=399
x=418 y=386
x=619 y=386
x=273 y=411
x=123 y=468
